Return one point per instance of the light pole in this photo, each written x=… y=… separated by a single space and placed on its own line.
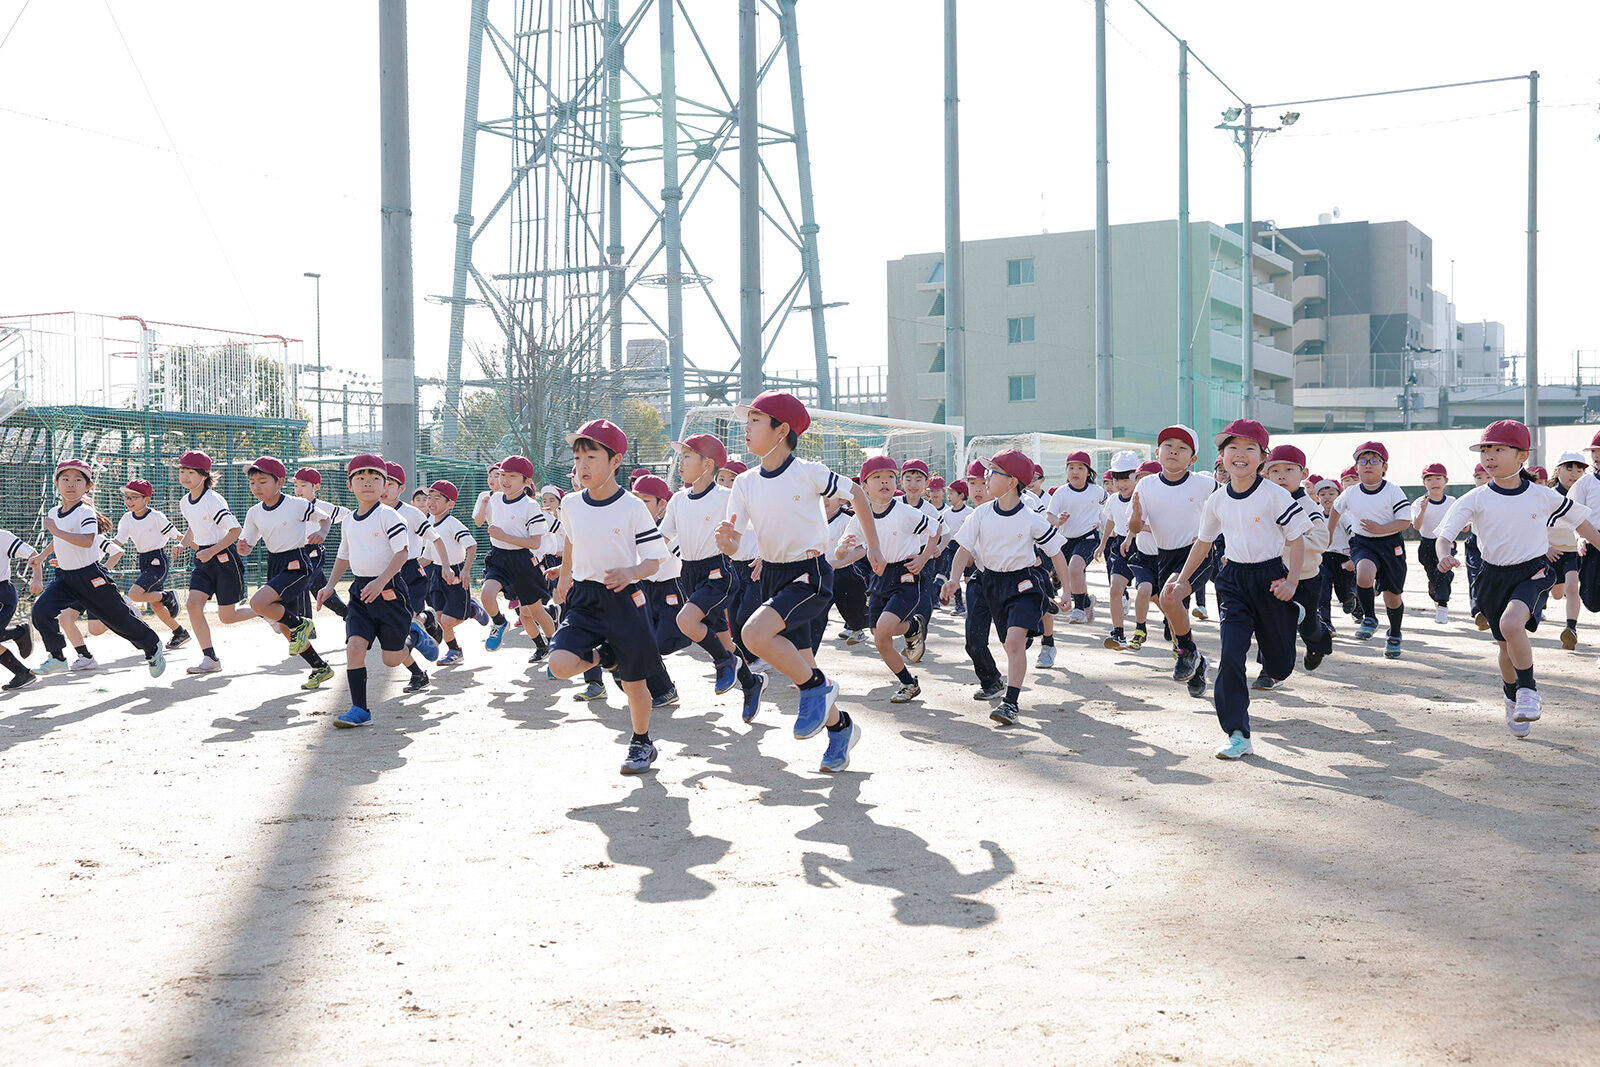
x=1245 y=136
x=317 y=279
x=1408 y=369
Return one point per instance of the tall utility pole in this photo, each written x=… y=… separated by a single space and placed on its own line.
x=809 y=259
x=1185 y=296
x=616 y=284
x=318 y=280
x=463 y=221
x=1247 y=271
x=955 y=311
x=671 y=217
x=751 y=378
x=1530 y=402
x=1103 y=368
x=399 y=355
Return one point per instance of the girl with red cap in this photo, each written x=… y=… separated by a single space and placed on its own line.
x=1426 y=513
x=710 y=586
x=516 y=524
x=979 y=620
x=956 y=513
x=150 y=532
x=1377 y=510
x=1338 y=573
x=447 y=562
x=1075 y=510
x=217 y=571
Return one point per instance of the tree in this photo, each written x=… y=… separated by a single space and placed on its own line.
x=481 y=427
x=646 y=430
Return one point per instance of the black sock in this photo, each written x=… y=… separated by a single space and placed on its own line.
x=1116 y=631
x=1525 y=678
x=713 y=646
x=12 y=663
x=82 y=650
x=1080 y=600
x=1186 y=642
x=905 y=676
x=290 y=620
x=1365 y=597
x=358 y=686
x=640 y=739
x=844 y=721
x=169 y=600
x=1140 y=628
x=498 y=619
x=209 y=651
x=416 y=671
x=456 y=645
x=311 y=657
x=1396 y=617
x=1510 y=690
x=539 y=641
x=747 y=677
x=1012 y=693
x=1572 y=624
x=1048 y=639
x=815 y=680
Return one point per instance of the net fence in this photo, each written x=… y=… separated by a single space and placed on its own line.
x=1050 y=450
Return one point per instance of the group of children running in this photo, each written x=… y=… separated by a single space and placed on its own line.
x=747 y=563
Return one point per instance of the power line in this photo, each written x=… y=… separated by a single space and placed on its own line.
x=1393 y=92
x=1192 y=52
x=14 y=22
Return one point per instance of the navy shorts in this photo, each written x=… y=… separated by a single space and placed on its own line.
x=315 y=556
x=594 y=615
x=518 y=574
x=384 y=622
x=8 y=603
x=153 y=566
x=1142 y=565
x=801 y=592
x=711 y=585
x=1084 y=546
x=289 y=575
x=446 y=599
x=895 y=591
x=1116 y=562
x=1528 y=582
x=1015 y=598
x=1170 y=561
x=665 y=600
x=415 y=585
x=1567 y=564
x=221 y=577
x=1388 y=554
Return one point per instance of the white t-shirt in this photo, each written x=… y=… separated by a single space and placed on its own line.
x=902 y=531
x=1513 y=525
x=785 y=507
x=1171 y=510
x=1433 y=516
x=554 y=542
x=209 y=518
x=521 y=517
x=954 y=519
x=416 y=527
x=1586 y=491
x=13 y=547
x=1257 y=522
x=1315 y=539
x=456 y=538
x=282 y=527
x=1118 y=510
x=370 y=540
x=146 y=532
x=1565 y=538
x=1382 y=505
x=1005 y=540
x=1079 y=507
x=76 y=520
x=690 y=523
x=608 y=535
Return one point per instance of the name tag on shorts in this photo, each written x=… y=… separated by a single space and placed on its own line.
x=715 y=574
x=907 y=578
x=97 y=582
x=1399 y=550
x=387 y=594
x=638 y=598
x=222 y=558
x=294 y=564
x=672 y=598
x=1539 y=575
x=1024 y=585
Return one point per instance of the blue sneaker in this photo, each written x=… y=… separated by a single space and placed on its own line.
x=354 y=717
x=1368 y=627
x=497 y=633
x=158 y=663
x=1237 y=747
x=479 y=616
x=423 y=642
x=727 y=675
x=51 y=665
x=451 y=658
x=1391 y=647
x=640 y=756
x=752 y=699
x=665 y=700
x=840 y=742
x=814 y=707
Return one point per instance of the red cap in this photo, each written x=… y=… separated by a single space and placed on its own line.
x=1478 y=469
x=960 y=486
x=874 y=464
x=517 y=465
x=270 y=466
x=394 y=472
x=494 y=467
x=1149 y=466
x=602 y=432
x=1539 y=473
x=195 y=460
x=1051 y=491
x=914 y=465
x=707 y=445
x=1594 y=443
x=785 y=407
x=1013 y=464
x=1435 y=468
x=638 y=472
x=1371 y=446
x=735 y=466
x=1348 y=472
x=1247 y=430
x=365 y=462
x=308 y=474
x=1312 y=478
x=650 y=485
x=1038 y=472
x=446 y=489
x=1288 y=454
x=1181 y=432
x=936 y=482
x=140 y=486
x=1081 y=457
x=976 y=469
x=1505 y=432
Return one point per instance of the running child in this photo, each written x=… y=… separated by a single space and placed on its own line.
x=1564 y=545
x=14 y=549
x=1074 y=509
x=1377 y=510
x=413 y=581
x=710 y=586
x=150 y=532
x=1255 y=587
x=480 y=510
x=782 y=501
x=979 y=620
x=1426 y=513
x=373 y=546
x=914 y=479
x=1005 y=539
x=955 y=514
x=612 y=545
x=1033 y=498
x=1338 y=573
x=1513 y=516
x=516 y=524
x=217 y=571
x=1285 y=467
x=851 y=583
x=664 y=595
x=307 y=483
x=1114 y=514
x=1474 y=559
x=448 y=557
x=111 y=553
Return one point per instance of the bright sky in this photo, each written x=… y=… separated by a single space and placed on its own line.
x=274 y=112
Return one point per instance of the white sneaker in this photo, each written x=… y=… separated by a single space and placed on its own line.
x=1047 y=657
x=1518 y=729
x=1237 y=746
x=1088 y=613
x=1441 y=615
x=84 y=663
x=1528 y=704
x=854 y=637
x=207 y=665
x=1077 y=615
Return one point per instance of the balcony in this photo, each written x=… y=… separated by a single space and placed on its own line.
x=930 y=329
x=1309 y=331
x=1273 y=415
x=1310 y=287
x=1268 y=360
x=1267 y=303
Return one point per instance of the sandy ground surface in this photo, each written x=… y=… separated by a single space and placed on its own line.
x=202 y=869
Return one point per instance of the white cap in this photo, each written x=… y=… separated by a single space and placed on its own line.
x=1124 y=462
x=1326 y=483
x=1572 y=457
x=547 y=490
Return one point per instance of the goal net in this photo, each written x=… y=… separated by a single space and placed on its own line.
x=840 y=440
x=1050 y=450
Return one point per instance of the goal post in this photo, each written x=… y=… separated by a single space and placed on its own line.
x=840 y=439
x=1050 y=450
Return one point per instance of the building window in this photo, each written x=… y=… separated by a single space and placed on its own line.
x=937 y=307
x=1019 y=331
x=1019 y=271
x=1021 y=387
x=937 y=366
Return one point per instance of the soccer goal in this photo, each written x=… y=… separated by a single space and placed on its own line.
x=1050 y=450
x=840 y=439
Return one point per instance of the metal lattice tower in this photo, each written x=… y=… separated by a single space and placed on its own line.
x=621 y=176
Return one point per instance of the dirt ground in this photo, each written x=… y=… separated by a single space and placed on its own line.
x=203 y=870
